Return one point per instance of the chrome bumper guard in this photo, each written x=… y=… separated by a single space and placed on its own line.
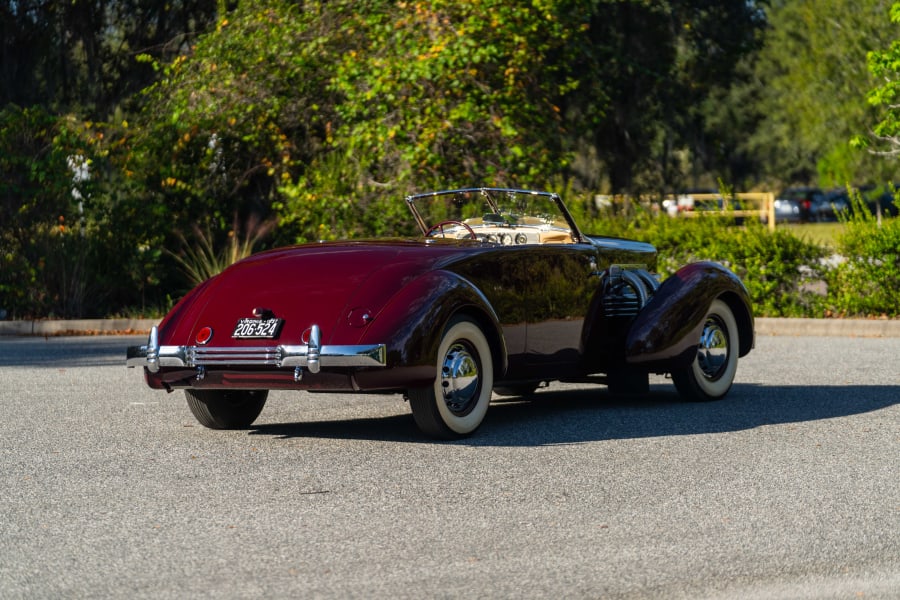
x=311 y=356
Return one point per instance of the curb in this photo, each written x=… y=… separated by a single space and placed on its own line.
x=862 y=328
x=867 y=328
x=77 y=327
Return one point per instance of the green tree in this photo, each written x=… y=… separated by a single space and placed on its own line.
x=239 y=115
x=86 y=243
x=318 y=112
x=450 y=93
x=811 y=88
x=884 y=65
x=357 y=101
x=78 y=56
x=435 y=94
x=647 y=72
x=45 y=198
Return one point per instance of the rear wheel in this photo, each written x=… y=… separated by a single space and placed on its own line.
x=226 y=409
x=455 y=405
x=710 y=375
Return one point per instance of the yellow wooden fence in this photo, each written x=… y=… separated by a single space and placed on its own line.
x=760 y=205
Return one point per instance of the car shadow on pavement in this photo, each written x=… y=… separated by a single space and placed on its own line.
x=583 y=415
x=395 y=428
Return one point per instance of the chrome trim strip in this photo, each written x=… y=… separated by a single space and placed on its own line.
x=312 y=355
x=336 y=356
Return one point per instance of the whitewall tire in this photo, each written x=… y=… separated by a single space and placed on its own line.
x=710 y=375
x=456 y=403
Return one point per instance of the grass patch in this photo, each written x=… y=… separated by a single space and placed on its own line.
x=824 y=234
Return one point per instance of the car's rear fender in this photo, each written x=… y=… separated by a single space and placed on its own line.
x=174 y=326
x=666 y=332
x=411 y=323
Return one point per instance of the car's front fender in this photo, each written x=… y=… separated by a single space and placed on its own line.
x=666 y=332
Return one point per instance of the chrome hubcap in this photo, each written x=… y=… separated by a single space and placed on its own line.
x=460 y=380
x=712 y=355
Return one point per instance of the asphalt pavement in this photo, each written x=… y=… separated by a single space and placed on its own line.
x=786 y=489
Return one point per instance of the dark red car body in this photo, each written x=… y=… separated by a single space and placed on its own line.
x=369 y=316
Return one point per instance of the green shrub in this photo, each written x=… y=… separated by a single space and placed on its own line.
x=866 y=279
x=781 y=271
x=42 y=264
x=785 y=275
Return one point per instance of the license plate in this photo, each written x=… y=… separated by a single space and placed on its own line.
x=257 y=328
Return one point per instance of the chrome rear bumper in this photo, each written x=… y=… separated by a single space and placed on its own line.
x=311 y=356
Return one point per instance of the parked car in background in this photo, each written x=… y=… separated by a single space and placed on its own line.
x=500 y=292
x=807 y=199
x=786 y=211
x=834 y=203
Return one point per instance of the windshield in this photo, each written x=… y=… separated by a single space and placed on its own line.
x=494 y=215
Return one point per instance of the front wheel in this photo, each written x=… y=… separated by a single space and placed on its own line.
x=455 y=404
x=226 y=409
x=710 y=375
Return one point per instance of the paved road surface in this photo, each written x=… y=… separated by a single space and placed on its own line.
x=789 y=488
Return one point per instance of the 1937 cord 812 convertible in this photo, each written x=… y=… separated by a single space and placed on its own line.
x=501 y=293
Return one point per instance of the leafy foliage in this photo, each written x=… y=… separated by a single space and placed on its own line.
x=810 y=90
x=469 y=89
x=73 y=227
x=39 y=256
x=431 y=94
x=884 y=65
x=225 y=125
x=866 y=281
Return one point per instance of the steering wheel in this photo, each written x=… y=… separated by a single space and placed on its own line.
x=440 y=226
